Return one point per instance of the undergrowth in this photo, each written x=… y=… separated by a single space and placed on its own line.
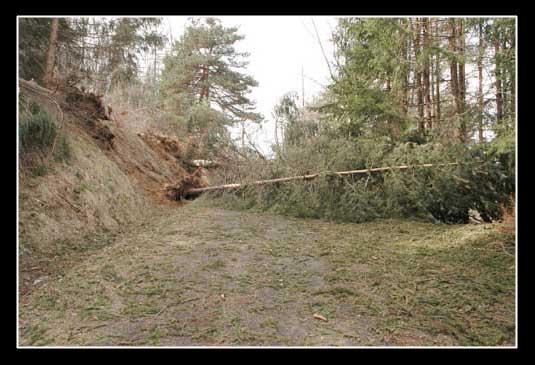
x=40 y=139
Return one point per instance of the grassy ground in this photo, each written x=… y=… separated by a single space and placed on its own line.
x=204 y=276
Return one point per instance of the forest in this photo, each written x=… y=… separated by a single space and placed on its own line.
x=123 y=124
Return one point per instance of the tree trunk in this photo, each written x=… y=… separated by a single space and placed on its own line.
x=419 y=91
x=462 y=83
x=498 y=75
x=50 y=54
x=513 y=81
x=438 y=76
x=481 y=48
x=197 y=191
x=410 y=68
x=405 y=61
x=453 y=70
x=504 y=73
x=426 y=91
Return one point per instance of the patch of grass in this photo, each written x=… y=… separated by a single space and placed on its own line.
x=215 y=264
x=98 y=309
x=34 y=335
x=337 y=292
x=84 y=186
x=109 y=274
x=40 y=169
x=156 y=333
x=321 y=308
x=62 y=151
x=141 y=308
x=269 y=323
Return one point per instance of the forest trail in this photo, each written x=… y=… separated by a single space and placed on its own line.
x=197 y=275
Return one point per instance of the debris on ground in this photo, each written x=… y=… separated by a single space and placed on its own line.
x=166 y=145
x=474 y=217
x=320 y=317
x=178 y=190
x=39 y=280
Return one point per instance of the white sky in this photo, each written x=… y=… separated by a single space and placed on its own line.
x=279 y=47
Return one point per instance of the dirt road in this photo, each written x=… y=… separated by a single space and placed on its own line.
x=213 y=277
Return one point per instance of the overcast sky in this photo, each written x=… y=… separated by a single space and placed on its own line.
x=279 y=47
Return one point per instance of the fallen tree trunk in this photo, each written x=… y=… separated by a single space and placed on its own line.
x=197 y=191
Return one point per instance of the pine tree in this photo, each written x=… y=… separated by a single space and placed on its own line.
x=204 y=67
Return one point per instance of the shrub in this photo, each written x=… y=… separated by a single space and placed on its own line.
x=38 y=137
x=37 y=129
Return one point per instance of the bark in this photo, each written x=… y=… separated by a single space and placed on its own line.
x=50 y=54
x=405 y=82
x=462 y=83
x=513 y=81
x=504 y=73
x=481 y=48
x=419 y=91
x=437 y=78
x=410 y=69
x=453 y=69
x=498 y=75
x=197 y=191
x=426 y=73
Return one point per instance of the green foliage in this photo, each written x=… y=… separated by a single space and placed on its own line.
x=40 y=169
x=34 y=36
x=371 y=76
x=204 y=67
x=37 y=129
x=128 y=38
x=441 y=193
x=369 y=119
x=38 y=137
x=100 y=51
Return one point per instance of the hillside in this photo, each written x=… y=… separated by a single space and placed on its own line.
x=113 y=179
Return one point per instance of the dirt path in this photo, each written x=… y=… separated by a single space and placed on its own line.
x=206 y=276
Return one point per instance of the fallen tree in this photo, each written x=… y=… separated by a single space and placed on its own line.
x=192 y=192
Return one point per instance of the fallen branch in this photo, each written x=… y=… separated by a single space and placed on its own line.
x=197 y=191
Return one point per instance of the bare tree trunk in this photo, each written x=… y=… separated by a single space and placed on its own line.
x=50 y=54
x=462 y=83
x=453 y=70
x=419 y=91
x=426 y=91
x=497 y=72
x=432 y=88
x=504 y=73
x=409 y=96
x=437 y=77
x=481 y=48
x=405 y=54
x=513 y=80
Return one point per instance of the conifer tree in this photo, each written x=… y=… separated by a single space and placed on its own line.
x=205 y=68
